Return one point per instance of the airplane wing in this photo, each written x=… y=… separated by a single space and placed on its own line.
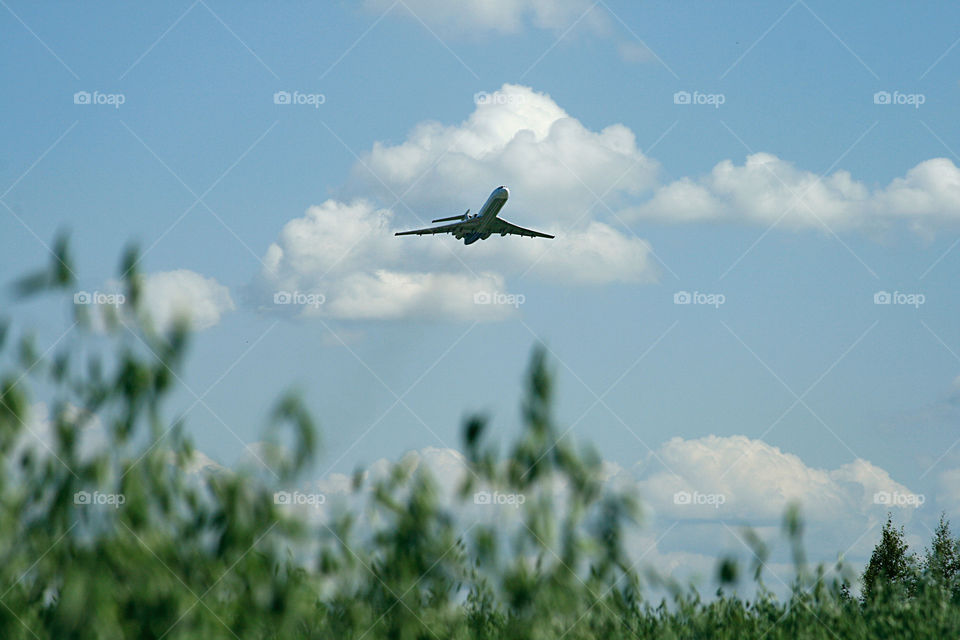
x=444 y=228
x=499 y=225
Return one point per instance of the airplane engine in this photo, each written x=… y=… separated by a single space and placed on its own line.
x=485 y=236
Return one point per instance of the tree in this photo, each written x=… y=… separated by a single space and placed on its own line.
x=890 y=566
x=942 y=561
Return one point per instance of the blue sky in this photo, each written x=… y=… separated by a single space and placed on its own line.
x=797 y=199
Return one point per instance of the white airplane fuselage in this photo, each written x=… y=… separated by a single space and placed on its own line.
x=487 y=213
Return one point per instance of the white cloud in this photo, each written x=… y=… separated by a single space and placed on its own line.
x=556 y=168
x=476 y=19
x=632 y=51
x=762 y=190
x=386 y=294
x=168 y=295
x=725 y=483
x=758 y=481
x=342 y=260
x=593 y=255
x=948 y=490
x=498 y=16
x=767 y=189
x=929 y=190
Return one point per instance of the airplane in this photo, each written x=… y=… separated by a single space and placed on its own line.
x=479 y=226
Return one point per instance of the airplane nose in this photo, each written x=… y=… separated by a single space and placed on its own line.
x=506 y=191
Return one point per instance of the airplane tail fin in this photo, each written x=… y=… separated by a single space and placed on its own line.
x=463 y=217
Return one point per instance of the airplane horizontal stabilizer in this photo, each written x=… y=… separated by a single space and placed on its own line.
x=463 y=217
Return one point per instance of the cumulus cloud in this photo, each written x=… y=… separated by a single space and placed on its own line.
x=555 y=166
x=169 y=295
x=757 y=482
x=767 y=189
x=594 y=255
x=341 y=260
x=166 y=297
x=929 y=190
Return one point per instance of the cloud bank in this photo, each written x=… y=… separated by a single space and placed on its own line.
x=766 y=189
x=340 y=259
x=696 y=496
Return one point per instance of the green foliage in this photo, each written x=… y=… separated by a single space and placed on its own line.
x=175 y=554
x=891 y=571
x=941 y=564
